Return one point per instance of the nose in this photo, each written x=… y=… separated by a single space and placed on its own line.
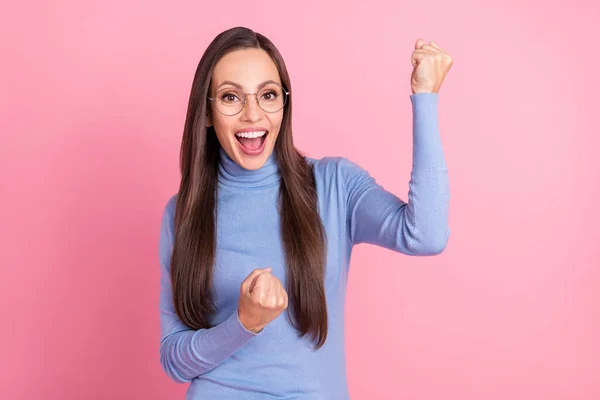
x=251 y=111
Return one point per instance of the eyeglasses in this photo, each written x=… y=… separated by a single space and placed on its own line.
x=230 y=101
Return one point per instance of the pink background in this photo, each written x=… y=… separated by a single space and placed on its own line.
x=92 y=102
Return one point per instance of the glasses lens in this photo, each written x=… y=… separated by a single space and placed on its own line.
x=272 y=98
x=230 y=101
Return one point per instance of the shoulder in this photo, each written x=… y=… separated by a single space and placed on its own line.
x=169 y=208
x=167 y=230
x=168 y=213
x=335 y=168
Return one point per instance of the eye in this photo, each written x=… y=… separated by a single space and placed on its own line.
x=269 y=96
x=229 y=97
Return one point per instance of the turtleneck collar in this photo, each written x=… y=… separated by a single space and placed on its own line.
x=232 y=174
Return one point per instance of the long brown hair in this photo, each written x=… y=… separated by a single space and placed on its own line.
x=302 y=230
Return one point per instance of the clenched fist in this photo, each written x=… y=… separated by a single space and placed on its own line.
x=262 y=299
x=431 y=64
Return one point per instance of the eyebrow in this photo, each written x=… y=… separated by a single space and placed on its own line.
x=240 y=86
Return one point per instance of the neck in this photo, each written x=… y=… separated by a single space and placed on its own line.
x=232 y=174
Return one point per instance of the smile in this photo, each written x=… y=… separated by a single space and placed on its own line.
x=252 y=143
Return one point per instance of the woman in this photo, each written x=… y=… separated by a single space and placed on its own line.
x=255 y=246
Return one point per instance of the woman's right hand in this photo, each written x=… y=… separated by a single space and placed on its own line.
x=262 y=299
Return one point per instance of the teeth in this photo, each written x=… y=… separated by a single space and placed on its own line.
x=251 y=135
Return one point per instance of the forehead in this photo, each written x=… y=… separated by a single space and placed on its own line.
x=247 y=67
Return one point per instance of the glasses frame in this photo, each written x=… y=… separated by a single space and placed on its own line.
x=246 y=95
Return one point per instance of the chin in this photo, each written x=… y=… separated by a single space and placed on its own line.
x=252 y=163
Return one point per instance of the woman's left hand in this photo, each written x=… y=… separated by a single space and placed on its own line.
x=431 y=64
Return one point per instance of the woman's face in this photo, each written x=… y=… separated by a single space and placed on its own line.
x=245 y=71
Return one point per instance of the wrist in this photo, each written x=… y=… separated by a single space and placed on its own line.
x=248 y=325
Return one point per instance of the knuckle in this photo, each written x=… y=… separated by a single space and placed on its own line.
x=273 y=303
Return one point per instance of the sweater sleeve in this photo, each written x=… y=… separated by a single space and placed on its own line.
x=416 y=227
x=186 y=353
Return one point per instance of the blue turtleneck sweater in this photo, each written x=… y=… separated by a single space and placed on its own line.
x=230 y=362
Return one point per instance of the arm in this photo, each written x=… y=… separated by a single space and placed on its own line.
x=419 y=227
x=186 y=353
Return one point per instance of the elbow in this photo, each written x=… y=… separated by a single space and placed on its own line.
x=436 y=248
x=171 y=371
x=170 y=367
x=431 y=245
x=175 y=377
x=438 y=244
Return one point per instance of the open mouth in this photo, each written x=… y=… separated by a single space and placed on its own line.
x=252 y=141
